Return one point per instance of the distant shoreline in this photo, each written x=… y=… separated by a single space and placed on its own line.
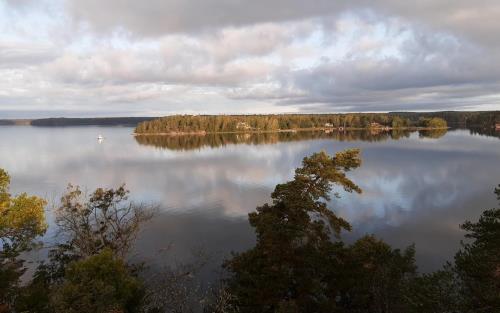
x=466 y=119
x=66 y=122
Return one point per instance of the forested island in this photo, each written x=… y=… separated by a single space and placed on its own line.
x=201 y=124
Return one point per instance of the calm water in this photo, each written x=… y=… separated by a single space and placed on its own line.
x=416 y=189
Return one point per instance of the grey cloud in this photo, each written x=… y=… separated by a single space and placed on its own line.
x=159 y=17
x=432 y=72
x=451 y=53
x=476 y=20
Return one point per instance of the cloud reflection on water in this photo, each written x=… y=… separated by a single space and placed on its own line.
x=416 y=190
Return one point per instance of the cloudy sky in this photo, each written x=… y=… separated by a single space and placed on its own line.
x=159 y=57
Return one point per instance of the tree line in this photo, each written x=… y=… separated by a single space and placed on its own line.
x=477 y=119
x=467 y=119
x=91 y=121
x=266 y=123
x=299 y=262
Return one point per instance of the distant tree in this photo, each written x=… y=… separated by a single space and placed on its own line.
x=399 y=122
x=272 y=124
x=433 y=122
x=290 y=268
x=22 y=219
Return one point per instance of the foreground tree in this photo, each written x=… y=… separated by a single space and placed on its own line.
x=436 y=292
x=100 y=283
x=22 y=219
x=87 y=270
x=478 y=262
x=105 y=220
x=376 y=277
x=299 y=263
x=291 y=268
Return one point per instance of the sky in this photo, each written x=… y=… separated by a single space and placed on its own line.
x=81 y=58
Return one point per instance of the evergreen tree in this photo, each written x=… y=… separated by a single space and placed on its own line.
x=478 y=262
x=292 y=266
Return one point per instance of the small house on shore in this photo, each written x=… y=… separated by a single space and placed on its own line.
x=328 y=125
x=497 y=126
x=243 y=126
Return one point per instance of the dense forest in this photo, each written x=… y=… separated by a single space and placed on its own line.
x=237 y=123
x=464 y=119
x=246 y=123
x=299 y=262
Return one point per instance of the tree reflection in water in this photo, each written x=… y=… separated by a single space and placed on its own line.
x=191 y=142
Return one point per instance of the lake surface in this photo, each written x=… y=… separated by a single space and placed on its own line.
x=416 y=188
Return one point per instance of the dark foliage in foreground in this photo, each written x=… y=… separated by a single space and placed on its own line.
x=292 y=266
x=298 y=266
x=478 y=262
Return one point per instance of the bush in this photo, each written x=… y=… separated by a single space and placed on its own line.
x=100 y=283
